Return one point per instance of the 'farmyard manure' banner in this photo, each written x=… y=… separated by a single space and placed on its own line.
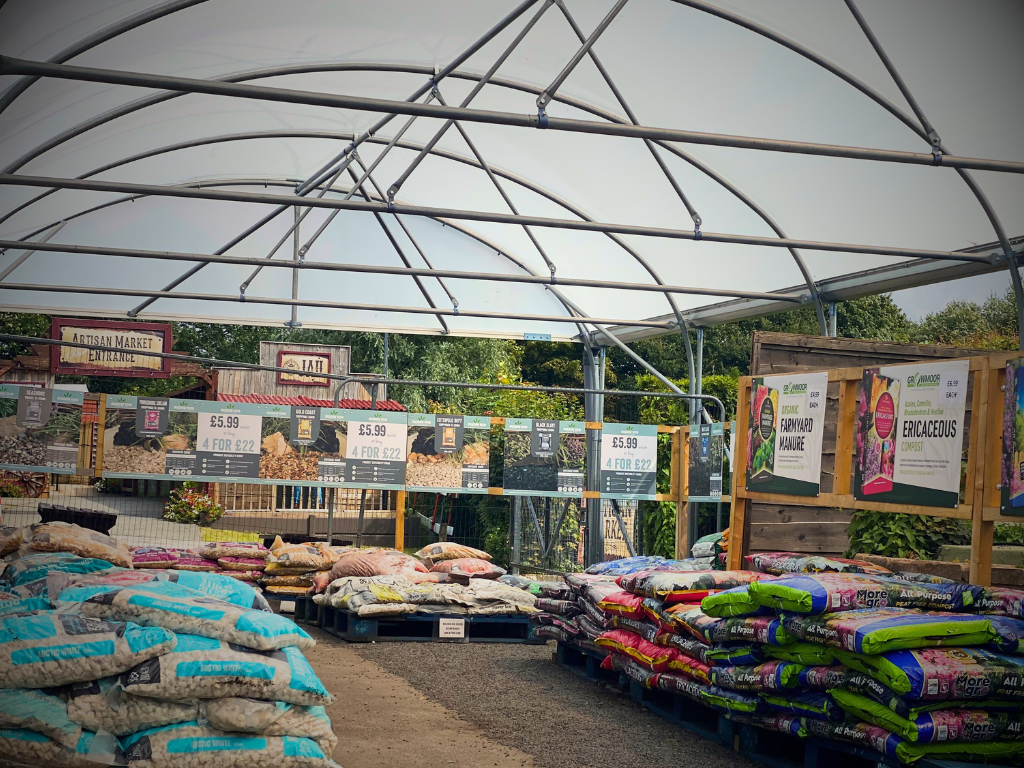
x=787 y=422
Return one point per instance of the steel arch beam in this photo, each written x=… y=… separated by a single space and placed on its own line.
x=98 y=38
x=403 y=68
x=922 y=129
x=571 y=309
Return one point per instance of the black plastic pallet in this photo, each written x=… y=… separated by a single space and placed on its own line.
x=777 y=750
x=306 y=611
x=420 y=628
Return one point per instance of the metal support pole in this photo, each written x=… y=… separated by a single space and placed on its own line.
x=362 y=494
x=593 y=407
x=545 y=97
x=330 y=517
x=516 y=533
x=205 y=193
x=833 y=319
x=296 y=258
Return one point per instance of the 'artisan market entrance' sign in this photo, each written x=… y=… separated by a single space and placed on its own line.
x=130 y=342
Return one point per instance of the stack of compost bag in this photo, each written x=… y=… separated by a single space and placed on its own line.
x=103 y=664
x=906 y=664
x=912 y=666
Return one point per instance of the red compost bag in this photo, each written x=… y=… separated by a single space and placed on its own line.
x=379 y=562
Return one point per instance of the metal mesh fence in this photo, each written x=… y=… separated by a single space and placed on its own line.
x=251 y=512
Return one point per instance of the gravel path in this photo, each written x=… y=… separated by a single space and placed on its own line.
x=520 y=698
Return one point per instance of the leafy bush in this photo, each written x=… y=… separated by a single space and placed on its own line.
x=896 y=535
x=917 y=536
x=11 y=490
x=659 y=517
x=187 y=505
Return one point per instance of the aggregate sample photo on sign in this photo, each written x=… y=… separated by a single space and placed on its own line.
x=786 y=426
x=544 y=457
x=629 y=461
x=174 y=439
x=910 y=434
x=449 y=453
x=130 y=341
x=40 y=429
x=707 y=447
x=1011 y=489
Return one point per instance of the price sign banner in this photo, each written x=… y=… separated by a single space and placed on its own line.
x=707 y=447
x=910 y=433
x=786 y=427
x=40 y=429
x=376 y=448
x=544 y=458
x=228 y=444
x=448 y=453
x=629 y=461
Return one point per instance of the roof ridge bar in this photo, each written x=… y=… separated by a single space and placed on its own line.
x=375 y=269
x=14 y=66
x=288 y=302
x=497 y=218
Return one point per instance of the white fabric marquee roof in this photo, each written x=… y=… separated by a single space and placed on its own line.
x=688 y=65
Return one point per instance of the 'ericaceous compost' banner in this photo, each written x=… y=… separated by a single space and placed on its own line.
x=787 y=422
x=910 y=434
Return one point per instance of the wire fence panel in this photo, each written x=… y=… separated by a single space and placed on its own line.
x=549 y=533
x=251 y=512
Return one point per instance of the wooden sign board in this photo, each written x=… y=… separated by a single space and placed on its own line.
x=306 y=367
x=131 y=340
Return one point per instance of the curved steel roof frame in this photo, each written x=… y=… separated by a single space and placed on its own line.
x=924 y=130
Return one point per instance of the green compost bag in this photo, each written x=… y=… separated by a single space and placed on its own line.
x=877 y=630
x=769 y=676
x=808 y=654
x=721 y=655
x=944 y=674
x=833 y=592
x=732 y=602
x=953 y=724
x=813 y=704
x=757 y=629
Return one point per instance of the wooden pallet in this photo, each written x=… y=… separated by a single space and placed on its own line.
x=435 y=628
x=777 y=750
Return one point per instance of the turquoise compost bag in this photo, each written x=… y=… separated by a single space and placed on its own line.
x=36 y=567
x=191 y=744
x=38 y=711
x=183 y=610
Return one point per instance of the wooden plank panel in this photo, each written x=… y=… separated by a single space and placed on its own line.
x=779 y=513
x=801 y=537
x=981 y=530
